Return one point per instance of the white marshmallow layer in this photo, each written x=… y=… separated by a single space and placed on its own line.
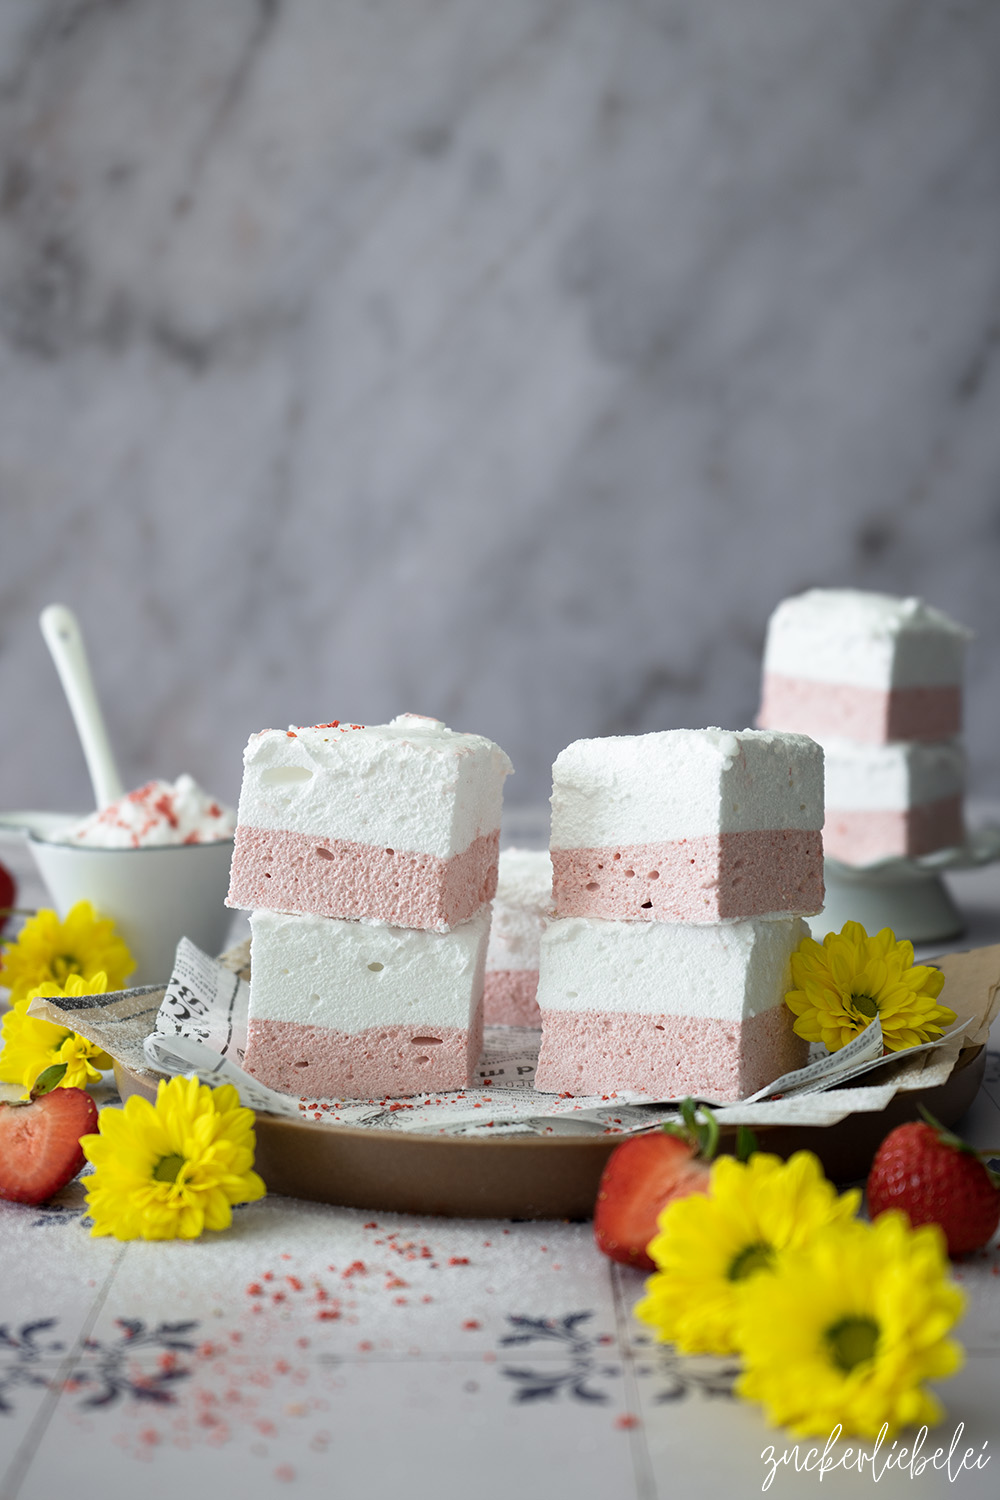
x=864 y=639
x=410 y=785
x=684 y=783
x=321 y=971
x=723 y=973
x=520 y=907
x=892 y=778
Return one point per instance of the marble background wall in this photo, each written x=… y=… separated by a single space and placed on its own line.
x=506 y=362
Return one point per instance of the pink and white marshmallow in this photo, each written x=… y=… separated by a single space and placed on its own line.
x=688 y=825
x=666 y=1009
x=863 y=666
x=342 y=1009
x=396 y=823
x=521 y=906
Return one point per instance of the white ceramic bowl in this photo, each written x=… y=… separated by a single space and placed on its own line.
x=154 y=896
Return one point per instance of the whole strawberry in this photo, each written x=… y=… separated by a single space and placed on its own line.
x=8 y=895
x=935 y=1178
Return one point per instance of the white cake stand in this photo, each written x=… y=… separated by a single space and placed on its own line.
x=907 y=895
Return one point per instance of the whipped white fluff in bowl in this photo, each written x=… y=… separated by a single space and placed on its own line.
x=160 y=812
x=156 y=862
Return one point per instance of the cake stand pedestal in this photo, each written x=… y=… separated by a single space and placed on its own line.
x=908 y=895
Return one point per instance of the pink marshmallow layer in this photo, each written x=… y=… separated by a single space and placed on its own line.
x=509 y=998
x=858 y=713
x=666 y=1057
x=301 y=872
x=708 y=879
x=379 y=1062
x=858 y=838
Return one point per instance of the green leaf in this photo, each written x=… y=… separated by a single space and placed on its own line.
x=49 y=1080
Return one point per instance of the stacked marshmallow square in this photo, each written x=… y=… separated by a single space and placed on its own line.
x=878 y=681
x=522 y=904
x=367 y=858
x=683 y=862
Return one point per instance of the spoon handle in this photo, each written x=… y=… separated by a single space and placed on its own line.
x=65 y=641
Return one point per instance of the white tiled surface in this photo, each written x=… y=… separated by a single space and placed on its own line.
x=331 y=1352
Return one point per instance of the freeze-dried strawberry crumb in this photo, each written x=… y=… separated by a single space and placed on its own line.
x=471 y=1323
x=165 y=807
x=458 y=1260
x=626 y=1420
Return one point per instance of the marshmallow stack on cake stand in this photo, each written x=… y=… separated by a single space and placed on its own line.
x=878 y=682
x=367 y=858
x=682 y=862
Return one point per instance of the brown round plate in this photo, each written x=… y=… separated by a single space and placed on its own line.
x=532 y=1177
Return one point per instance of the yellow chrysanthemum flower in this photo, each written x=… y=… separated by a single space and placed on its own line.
x=710 y=1247
x=843 y=982
x=31 y=1045
x=848 y=1329
x=171 y=1169
x=48 y=950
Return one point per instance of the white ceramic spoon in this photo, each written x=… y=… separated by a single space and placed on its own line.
x=65 y=641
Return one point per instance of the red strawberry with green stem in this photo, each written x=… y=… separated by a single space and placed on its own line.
x=40 y=1142
x=935 y=1178
x=647 y=1172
